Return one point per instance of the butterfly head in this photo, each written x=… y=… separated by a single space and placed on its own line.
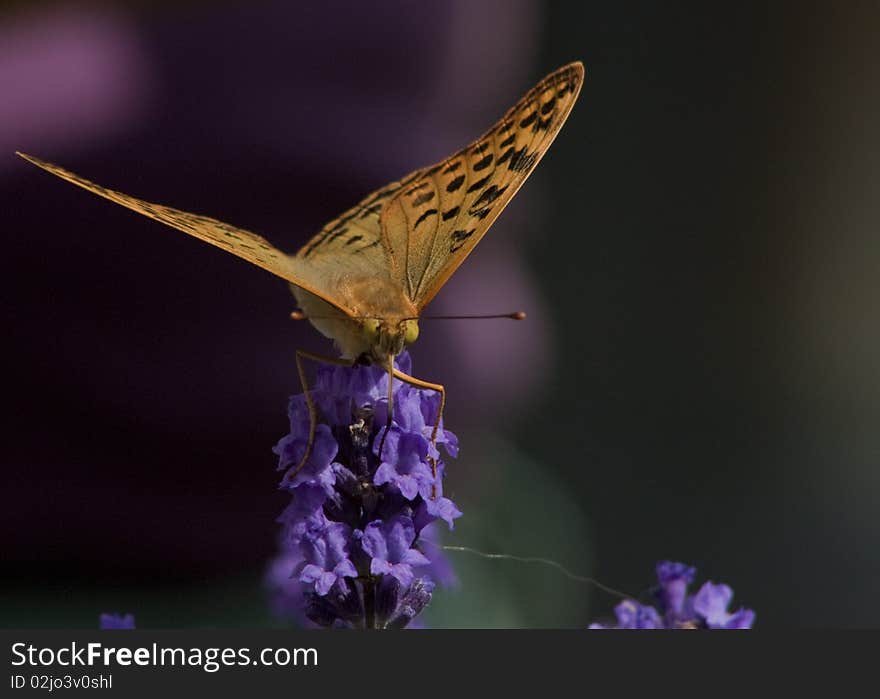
x=387 y=338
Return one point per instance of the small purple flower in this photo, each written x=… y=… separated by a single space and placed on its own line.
x=290 y=450
x=711 y=602
x=353 y=553
x=326 y=557
x=305 y=512
x=434 y=505
x=397 y=605
x=674 y=579
x=116 y=621
x=707 y=609
x=341 y=608
x=389 y=545
x=404 y=463
x=632 y=615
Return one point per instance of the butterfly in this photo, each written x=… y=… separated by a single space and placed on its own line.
x=366 y=277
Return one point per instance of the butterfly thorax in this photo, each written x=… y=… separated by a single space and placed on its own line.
x=381 y=323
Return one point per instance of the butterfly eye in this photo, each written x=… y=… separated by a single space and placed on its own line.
x=411 y=331
x=371 y=328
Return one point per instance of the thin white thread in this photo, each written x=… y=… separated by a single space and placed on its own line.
x=545 y=561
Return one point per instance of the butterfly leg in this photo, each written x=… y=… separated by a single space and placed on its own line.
x=419 y=383
x=310 y=403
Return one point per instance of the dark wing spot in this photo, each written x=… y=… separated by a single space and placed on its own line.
x=543 y=124
x=452 y=167
x=522 y=161
x=368 y=246
x=459 y=237
x=481 y=213
x=489 y=195
x=354 y=239
x=529 y=119
x=479 y=184
x=479 y=148
x=341 y=230
x=429 y=212
x=452 y=213
x=455 y=184
x=484 y=162
x=548 y=106
x=325 y=236
x=508 y=141
x=423 y=198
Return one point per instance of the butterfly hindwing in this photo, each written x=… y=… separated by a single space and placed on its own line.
x=440 y=213
x=249 y=246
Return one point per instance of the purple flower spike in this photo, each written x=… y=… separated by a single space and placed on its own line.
x=116 y=621
x=677 y=609
x=353 y=533
x=389 y=544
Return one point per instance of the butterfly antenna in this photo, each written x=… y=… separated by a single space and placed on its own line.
x=517 y=315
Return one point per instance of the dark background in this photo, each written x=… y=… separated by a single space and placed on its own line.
x=698 y=378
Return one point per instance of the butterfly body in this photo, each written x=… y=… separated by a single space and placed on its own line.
x=382 y=327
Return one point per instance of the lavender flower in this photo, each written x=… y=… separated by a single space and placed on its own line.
x=116 y=621
x=352 y=538
x=389 y=544
x=707 y=609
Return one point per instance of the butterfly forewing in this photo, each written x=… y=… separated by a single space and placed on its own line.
x=440 y=213
x=237 y=241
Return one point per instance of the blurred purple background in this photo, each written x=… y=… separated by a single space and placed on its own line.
x=697 y=379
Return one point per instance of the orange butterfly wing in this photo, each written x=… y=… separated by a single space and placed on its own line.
x=440 y=213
